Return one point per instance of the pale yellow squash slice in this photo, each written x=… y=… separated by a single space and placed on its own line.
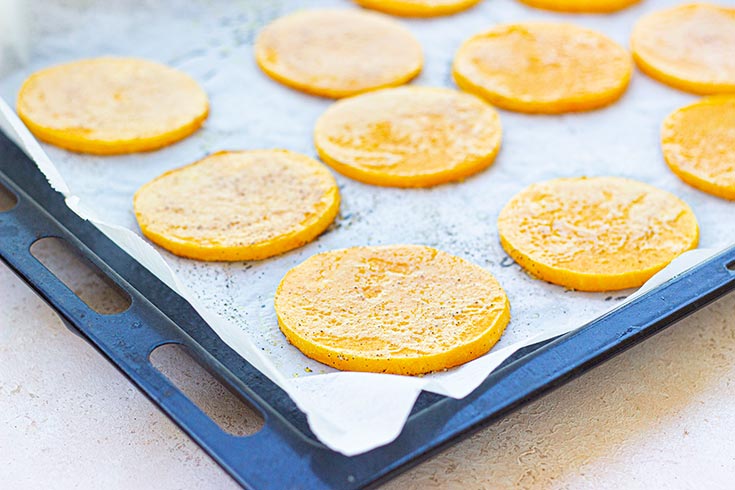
x=338 y=53
x=111 y=105
x=689 y=47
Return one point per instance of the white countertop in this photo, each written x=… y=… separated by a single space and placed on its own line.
x=658 y=416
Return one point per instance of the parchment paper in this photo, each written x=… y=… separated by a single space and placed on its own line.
x=13 y=35
x=351 y=412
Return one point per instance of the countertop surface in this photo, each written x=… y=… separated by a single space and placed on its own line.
x=658 y=416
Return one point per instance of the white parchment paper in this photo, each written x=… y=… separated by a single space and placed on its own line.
x=350 y=412
x=13 y=35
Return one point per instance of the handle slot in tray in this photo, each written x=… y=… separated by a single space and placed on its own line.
x=227 y=410
x=8 y=200
x=81 y=276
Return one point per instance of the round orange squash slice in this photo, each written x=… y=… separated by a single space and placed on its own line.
x=581 y=6
x=409 y=136
x=596 y=234
x=418 y=8
x=401 y=309
x=231 y=206
x=543 y=67
x=698 y=142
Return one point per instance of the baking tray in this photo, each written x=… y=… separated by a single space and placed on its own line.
x=284 y=453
